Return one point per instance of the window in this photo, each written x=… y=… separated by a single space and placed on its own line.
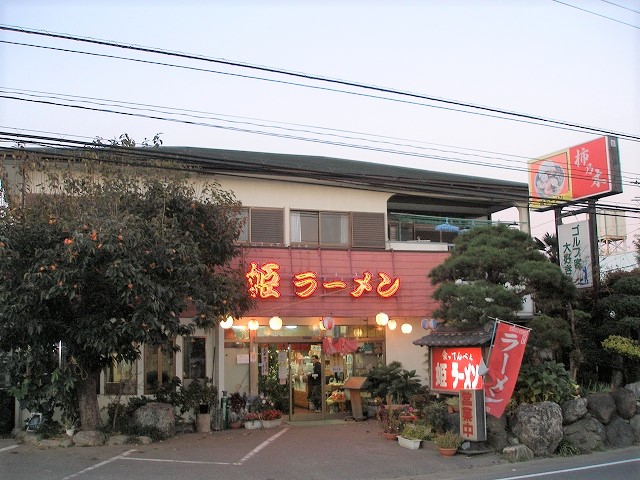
x=325 y=228
x=194 y=358
x=158 y=368
x=262 y=225
x=121 y=379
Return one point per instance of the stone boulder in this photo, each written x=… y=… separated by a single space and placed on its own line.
x=497 y=437
x=635 y=388
x=634 y=423
x=626 y=402
x=573 y=410
x=88 y=438
x=538 y=426
x=587 y=434
x=601 y=406
x=518 y=453
x=159 y=415
x=619 y=433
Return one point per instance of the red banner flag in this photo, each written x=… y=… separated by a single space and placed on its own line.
x=504 y=365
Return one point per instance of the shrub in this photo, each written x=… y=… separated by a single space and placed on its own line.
x=546 y=381
x=436 y=415
x=415 y=431
x=448 y=439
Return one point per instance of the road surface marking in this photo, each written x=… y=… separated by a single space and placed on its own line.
x=98 y=465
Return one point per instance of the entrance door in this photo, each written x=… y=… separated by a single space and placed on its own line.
x=307 y=387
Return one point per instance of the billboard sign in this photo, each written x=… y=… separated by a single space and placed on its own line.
x=588 y=170
x=574 y=245
x=455 y=368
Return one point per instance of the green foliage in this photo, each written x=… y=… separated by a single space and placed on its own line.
x=547 y=381
x=623 y=346
x=121 y=416
x=270 y=385
x=104 y=259
x=435 y=414
x=489 y=272
x=393 y=382
x=548 y=334
x=568 y=449
x=448 y=439
x=415 y=431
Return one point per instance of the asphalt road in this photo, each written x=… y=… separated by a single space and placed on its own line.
x=317 y=450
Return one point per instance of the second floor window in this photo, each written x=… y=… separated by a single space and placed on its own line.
x=324 y=228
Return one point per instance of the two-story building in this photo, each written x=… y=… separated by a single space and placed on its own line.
x=337 y=254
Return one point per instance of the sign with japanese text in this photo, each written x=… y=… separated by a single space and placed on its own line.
x=264 y=282
x=574 y=244
x=455 y=368
x=473 y=424
x=504 y=366
x=588 y=170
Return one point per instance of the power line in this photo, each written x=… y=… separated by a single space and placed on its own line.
x=514 y=116
x=621 y=6
x=597 y=14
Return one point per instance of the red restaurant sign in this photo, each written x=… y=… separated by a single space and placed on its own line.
x=504 y=366
x=455 y=368
x=589 y=170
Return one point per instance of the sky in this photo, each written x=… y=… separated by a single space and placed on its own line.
x=574 y=62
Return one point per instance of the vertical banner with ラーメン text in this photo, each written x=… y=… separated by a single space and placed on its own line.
x=504 y=366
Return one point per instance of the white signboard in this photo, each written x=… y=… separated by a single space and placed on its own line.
x=574 y=245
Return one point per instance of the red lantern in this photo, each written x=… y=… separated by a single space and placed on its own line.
x=327 y=323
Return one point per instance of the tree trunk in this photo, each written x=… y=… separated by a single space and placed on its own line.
x=575 y=359
x=88 y=402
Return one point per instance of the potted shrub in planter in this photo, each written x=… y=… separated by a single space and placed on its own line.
x=448 y=443
x=412 y=435
x=271 y=418
x=200 y=396
x=389 y=422
x=252 y=421
x=237 y=404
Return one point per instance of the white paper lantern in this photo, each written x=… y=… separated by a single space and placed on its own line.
x=382 y=319
x=429 y=323
x=327 y=323
x=392 y=324
x=253 y=324
x=227 y=323
x=275 y=322
x=406 y=328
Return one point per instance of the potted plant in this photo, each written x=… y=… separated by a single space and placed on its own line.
x=389 y=422
x=453 y=404
x=200 y=396
x=237 y=404
x=252 y=421
x=448 y=442
x=271 y=418
x=412 y=435
x=70 y=424
x=393 y=383
x=407 y=414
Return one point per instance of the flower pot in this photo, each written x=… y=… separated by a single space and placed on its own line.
x=271 y=423
x=408 y=418
x=390 y=435
x=70 y=431
x=252 y=424
x=410 y=443
x=203 y=422
x=447 y=452
x=235 y=425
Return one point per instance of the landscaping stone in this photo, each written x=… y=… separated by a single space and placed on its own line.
x=538 y=426
x=573 y=410
x=88 y=438
x=626 y=402
x=158 y=415
x=118 y=439
x=619 y=433
x=635 y=388
x=634 y=423
x=601 y=406
x=518 y=453
x=587 y=434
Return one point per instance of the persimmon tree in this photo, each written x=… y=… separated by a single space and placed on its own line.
x=101 y=259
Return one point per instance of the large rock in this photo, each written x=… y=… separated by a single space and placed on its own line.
x=626 y=402
x=634 y=423
x=159 y=415
x=601 y=406
x=619 y=433
x=518 y=453
x=587 y=434
x=538 y=426
x=88 y=438
x=573 y=410
x=635 y=388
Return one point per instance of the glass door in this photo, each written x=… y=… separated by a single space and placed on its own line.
x=306 y=378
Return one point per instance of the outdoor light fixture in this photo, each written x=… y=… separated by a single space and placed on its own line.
x=392 y=325
x=275 y=322
x=406 y=328
x=327 y=323
x=253 y=324
x=357 y=332
x=382 y=319
x=227 y=323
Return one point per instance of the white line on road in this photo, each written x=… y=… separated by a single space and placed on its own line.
x=576 y=469
x=98 y=465
x=199 y=462
x=8 y=448
x=260 y=447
